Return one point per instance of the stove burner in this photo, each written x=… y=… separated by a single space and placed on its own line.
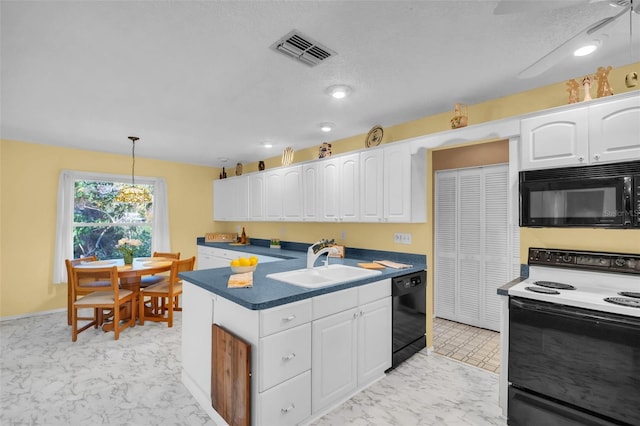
x=624 y=301
x=551 y=284
x=542 y=290
x=630 y=294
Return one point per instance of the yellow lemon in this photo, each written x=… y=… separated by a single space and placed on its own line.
x=253 y=260
x=244 y=261
x=235 y=262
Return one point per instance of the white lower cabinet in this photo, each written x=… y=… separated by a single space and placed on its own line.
x=288 y=403
x=214 y=257
x=351 y=348
x=307 y=356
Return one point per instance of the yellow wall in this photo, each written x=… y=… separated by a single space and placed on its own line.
x=29 y=183
x=29 y=176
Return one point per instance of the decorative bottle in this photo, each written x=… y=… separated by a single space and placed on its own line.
x=243 y=237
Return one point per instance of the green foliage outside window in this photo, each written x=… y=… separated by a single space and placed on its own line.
x=99 y=222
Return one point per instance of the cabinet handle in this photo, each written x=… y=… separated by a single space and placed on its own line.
x=596 y=157
x=289 y=357
x=581 y=159
x=355 y=315
x=289 y=408
x=289 y=318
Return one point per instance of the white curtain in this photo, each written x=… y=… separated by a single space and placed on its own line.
x=64 y=221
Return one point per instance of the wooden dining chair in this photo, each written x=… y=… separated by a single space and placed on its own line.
x=155 y=279
x=88 y=285
x=163 y=295
x=113 y=299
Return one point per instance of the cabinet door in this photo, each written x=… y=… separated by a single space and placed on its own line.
x=256 y=197
x=310 y=192
x=397 y=183
x=555 y=140
x=273 y=195
x=371 y=189
x=350 y=188
x=334 y=363
x=221 y=198
x=614 y=131
x=240 y=198
x=196 y=334
x=330 y=189
x=374 y=340
x=292 y=193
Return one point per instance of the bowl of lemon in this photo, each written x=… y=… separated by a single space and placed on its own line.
x=244 y=264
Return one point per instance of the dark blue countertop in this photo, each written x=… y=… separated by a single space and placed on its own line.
x=267 y=293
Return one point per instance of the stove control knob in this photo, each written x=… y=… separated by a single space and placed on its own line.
x=566 y=258
x=620 y=262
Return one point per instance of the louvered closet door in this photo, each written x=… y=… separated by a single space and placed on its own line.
x=470 y=238
x=473 y=244
x=445 y=241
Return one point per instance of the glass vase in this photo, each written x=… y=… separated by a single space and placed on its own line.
x=128 y=258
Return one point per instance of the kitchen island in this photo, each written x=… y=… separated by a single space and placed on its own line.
x=311 y=349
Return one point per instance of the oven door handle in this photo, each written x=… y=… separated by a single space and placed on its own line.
x=595 y=317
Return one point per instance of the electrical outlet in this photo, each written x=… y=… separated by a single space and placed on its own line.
x=343 y=235
x=402 y=238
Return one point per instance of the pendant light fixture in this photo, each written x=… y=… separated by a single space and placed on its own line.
x=131 y=193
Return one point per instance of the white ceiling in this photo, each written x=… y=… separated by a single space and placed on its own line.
x=197 y=81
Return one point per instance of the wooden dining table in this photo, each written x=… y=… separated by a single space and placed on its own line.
x=131 y=275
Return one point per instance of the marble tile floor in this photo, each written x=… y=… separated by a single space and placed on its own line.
x=45 y=379
x=471 y=345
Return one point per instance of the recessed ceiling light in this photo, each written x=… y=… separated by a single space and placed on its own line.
x=339 y=91
x=267 y=145
x=587 y=49
x=327 y=127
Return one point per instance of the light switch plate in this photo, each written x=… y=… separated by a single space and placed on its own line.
x=402 y=238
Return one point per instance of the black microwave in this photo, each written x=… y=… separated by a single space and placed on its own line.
x=602 y=196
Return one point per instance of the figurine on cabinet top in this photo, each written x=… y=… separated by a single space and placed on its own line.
x=586 y=85
x=573 y=87
x=604 y=88
x=460 y=116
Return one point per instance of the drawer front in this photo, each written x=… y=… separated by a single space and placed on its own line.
x=284 y=317
x=332 y=303
x=374 y=291
x=286 y=404
x=284 y=355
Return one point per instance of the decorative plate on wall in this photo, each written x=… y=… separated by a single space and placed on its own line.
x=287 y=156
x=374 y=137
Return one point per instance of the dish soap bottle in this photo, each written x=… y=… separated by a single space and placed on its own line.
x=243 y=237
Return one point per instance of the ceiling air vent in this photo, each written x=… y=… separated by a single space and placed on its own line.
x=302 y=48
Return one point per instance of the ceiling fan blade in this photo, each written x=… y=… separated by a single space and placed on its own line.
x=507 y=7
x=566 y=49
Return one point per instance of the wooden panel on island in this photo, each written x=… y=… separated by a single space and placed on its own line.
x=231 y=377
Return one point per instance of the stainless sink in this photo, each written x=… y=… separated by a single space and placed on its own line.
x=323 y=276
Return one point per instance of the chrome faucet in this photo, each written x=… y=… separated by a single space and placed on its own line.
x=317 y=249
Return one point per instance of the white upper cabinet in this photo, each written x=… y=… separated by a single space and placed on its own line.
x=292 y=201
x=339 y=188
x=310 y=191
x=614 y=131
x=273 y=194
x=371 y=185
x=555 y=140
x=256 y=196
x=603 y=132
x=230 y=199
x=388 y=191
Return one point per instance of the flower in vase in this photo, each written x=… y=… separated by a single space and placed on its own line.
x=128 y=246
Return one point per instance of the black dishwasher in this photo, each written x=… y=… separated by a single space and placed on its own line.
x=409 y=315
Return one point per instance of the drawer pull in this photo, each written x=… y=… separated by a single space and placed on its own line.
x=289 y=357
x=289 y=318
x=289 y=408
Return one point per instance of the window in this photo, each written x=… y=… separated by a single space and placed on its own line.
x=90 y=223
x=99 y=222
